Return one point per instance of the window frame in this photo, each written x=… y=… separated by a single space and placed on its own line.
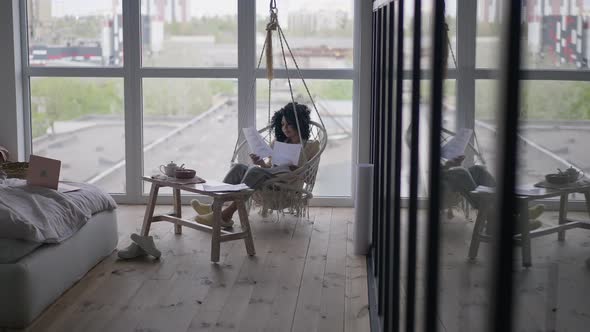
x=133 y=73
x=467 y=74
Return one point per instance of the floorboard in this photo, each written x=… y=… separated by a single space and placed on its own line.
x=304 y=277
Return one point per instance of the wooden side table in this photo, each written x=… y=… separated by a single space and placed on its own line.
x=218 y=235
x=524 y=196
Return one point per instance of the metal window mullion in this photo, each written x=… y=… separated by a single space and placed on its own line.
x=466 y=52
x=156 y=72
x=75 y=72
x=536 y=75
x=246 y=63
x=501 y=317
x=26 y=79
x=133 y=103
x=334 y=74
x=426 y=74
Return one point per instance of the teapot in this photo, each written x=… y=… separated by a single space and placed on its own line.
x=170 y=169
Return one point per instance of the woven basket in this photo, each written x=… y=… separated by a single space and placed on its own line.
x=15 y=169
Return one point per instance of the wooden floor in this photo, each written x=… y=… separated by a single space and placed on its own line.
x=552 y=295
x=303 y=278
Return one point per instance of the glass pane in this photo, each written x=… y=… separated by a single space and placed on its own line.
x=426 y=58
x=555 y=34
x=67 y=117
x=73 y=33
x=333 y=99
x=189 y=121
x=554 y=125
x=189 y=33
x=552 y=130
x=451 y=21
x=319 y=33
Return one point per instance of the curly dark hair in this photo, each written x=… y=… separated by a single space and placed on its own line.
x=287 y=112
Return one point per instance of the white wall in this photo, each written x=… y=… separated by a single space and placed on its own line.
x=11 y=105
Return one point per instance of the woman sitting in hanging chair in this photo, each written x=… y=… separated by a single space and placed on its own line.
x=284 y=122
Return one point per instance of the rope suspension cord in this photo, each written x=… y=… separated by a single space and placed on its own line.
x=281 y=33
x=291 y=92
x=252 y=86
x=270 y=27
x=274 y=25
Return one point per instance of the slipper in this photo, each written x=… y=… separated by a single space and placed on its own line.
x=146 y=243
x=201 y=208
x=131 y=251
x=207 y=219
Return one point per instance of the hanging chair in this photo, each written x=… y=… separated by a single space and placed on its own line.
x=285 y=192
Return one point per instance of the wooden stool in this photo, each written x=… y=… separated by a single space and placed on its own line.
x=218 y=235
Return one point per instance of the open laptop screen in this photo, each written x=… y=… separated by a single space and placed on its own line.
x=43 y=172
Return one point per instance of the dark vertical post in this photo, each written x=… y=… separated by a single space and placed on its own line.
x=433 y=225
x=373 y=112
x=414 y=154
x=387 y=321
x=382 y=164
x=502 y=292
x=397 y=166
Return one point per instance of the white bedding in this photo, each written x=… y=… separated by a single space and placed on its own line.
x=45 y=215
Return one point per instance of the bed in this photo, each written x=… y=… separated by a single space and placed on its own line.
x=34 y=273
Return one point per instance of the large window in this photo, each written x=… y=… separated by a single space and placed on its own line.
x=177 y=89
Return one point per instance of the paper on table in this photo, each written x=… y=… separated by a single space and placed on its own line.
x=456 y=146
x=225 y=187
x=285 y=154
x=257 y=144
x=521 y=191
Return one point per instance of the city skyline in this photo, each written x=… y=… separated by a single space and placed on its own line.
x=60 y=8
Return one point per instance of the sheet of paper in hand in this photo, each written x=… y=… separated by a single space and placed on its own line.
x=455 y=147
x=285 y=154
x=257 y=144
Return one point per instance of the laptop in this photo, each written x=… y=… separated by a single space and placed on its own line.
x=43 y=172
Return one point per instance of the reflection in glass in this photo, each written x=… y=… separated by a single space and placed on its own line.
x=555 y=34
x=189 y=121
x=71 y=33
x=189 y=33
x=67 y=117
x=552 y=130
